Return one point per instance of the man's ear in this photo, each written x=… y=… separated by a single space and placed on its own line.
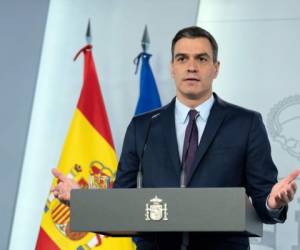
x=172 y=69
x=217 y=68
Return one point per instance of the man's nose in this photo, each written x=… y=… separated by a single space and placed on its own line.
x=192 y=66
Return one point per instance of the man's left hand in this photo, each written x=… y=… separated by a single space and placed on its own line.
x=284 y=191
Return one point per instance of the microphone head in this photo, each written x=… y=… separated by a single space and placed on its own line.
x=155 y=116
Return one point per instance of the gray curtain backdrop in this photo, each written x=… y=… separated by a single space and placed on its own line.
x=22 y=27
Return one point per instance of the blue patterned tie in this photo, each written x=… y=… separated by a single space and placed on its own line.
x=190 y=142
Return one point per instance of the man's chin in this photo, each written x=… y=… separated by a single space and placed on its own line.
x=196 y=96
x=193 y=96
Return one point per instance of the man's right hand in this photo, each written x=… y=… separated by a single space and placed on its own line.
x=62 y=190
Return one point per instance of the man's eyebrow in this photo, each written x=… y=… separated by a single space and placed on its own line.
x=204 y=54
x=180 y=55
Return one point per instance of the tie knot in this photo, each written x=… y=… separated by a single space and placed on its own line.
x=192 y=114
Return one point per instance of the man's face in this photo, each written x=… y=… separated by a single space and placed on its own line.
x=193 y=69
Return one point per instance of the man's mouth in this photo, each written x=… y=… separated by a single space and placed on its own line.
x=191 y=79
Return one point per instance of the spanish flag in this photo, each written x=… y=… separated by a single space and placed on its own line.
x=89 y=158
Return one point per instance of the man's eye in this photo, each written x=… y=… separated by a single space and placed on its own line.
x=180 y=59
x=202 y=59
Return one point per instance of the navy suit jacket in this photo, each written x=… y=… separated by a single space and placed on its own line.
x=234 y=151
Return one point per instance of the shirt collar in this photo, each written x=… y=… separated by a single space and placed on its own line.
x=181 y=110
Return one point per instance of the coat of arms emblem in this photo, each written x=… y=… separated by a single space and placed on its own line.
x=156 y=210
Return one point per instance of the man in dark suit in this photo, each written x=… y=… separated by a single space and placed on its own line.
x=217 y=143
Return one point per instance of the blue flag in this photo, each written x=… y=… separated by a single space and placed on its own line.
x=149 y=97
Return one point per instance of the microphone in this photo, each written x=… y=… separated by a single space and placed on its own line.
x=139 y=174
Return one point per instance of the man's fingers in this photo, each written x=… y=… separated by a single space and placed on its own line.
x=62 y=190
x=294 y=186
x=57 y=189
x=278 y=201
x=285 y=193
x=281 y=197
x=292 y=176
x=60 y=194
x=58 y=174
x=284 y=197
x=55 y=193
x=290 y=194
x=63 y=196
x=60 y=197
x=291 y=190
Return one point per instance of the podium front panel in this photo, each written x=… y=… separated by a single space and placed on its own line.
x=164 y=210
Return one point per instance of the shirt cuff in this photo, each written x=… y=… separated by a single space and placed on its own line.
x=274 y=212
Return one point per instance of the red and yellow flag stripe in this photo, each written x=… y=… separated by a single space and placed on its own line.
x=88 y=150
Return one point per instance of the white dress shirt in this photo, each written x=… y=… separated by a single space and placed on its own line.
x=182 y=120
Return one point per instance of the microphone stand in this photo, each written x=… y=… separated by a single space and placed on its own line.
x=140 y=174
x=185 y=235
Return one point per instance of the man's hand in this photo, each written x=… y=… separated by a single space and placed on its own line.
x=283 y=192
x=62 y=190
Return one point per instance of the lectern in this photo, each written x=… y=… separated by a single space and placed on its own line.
x=124 y=212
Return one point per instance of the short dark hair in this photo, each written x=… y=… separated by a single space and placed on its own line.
x=196 y=32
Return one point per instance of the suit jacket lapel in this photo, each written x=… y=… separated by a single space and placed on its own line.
x=169 y=134
x=215 y=119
